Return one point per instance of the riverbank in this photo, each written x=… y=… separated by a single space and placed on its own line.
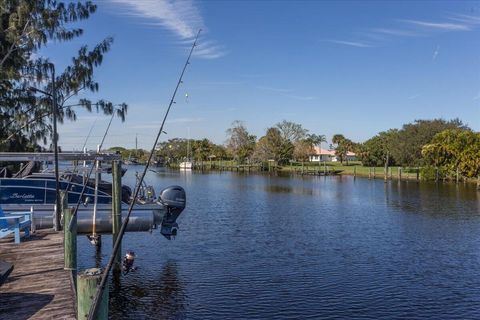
x=353 y=168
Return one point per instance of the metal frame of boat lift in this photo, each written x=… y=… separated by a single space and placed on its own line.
x=63 y=156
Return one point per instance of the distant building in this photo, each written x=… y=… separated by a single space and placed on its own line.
x=329 y=155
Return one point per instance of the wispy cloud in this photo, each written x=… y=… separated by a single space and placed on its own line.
x=357 y=44
x=401 y=28
x=185 y=120
x=413 y=97
x=394 y=32
x=286 y=93
x=182 y=18
x=279 y=90
x=464 y=18
x=303 y=98
x=445 y=26
x=209 y=50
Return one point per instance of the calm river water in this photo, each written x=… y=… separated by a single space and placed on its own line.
x=267 y=247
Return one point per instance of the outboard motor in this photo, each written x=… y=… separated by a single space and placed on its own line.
x=174 y=199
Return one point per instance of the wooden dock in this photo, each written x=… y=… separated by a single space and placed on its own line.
x=38 y=287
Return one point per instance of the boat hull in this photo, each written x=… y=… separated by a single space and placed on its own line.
x=187 y=165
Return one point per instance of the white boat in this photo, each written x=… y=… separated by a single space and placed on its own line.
x=186 y=165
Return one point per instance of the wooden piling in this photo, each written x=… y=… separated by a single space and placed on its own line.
x=418 y=173
x=369 y=173
x=399 y=173
x=64 y=201
x=87 y=282
x=373 y=172
x=354 y=171
x=117 y=211
x=70 y=240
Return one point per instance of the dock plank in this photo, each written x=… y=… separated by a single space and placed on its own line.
x=38 y=287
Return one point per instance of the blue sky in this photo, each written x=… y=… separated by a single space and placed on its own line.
x=354 y=68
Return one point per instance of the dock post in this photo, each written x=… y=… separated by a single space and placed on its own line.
x=373 y=172
x=418 y=173
x=354 y=171
x=63 y=201
x=116 y=210
x=87 y=282
x=70 y=240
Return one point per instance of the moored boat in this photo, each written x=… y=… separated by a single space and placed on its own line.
x=37 y=191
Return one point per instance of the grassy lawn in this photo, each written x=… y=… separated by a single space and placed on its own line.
x=352 y=167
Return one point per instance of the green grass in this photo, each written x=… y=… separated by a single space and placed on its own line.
x=353 y=167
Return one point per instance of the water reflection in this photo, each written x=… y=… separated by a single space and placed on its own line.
x=433 y=198
x=264 y=247
x=288 y=189
x=162 y=296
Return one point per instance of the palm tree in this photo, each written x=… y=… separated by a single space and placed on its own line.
x=316 y=141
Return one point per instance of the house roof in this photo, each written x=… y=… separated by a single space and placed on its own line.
x=324 y=152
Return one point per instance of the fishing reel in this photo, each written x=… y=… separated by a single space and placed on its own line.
x=127 y=263
x=95 y=239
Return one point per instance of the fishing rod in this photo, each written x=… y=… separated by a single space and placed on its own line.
x=84 y=187
x=99 y=291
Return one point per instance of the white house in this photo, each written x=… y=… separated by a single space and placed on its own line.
x=329 y=155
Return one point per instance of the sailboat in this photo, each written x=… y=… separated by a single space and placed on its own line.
x=187 y=164
x=133 y=160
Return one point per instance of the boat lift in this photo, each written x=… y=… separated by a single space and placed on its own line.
x=148 y=213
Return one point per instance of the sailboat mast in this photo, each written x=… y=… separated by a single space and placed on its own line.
x=188 y=144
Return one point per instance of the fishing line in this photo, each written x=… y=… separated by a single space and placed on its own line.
x=70 y=225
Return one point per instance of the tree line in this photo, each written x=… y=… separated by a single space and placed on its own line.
x=283 y=142
x=442 y=147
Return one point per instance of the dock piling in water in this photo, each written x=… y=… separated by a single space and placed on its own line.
x=87 y=282
x=70 y=240
x=116 y=210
